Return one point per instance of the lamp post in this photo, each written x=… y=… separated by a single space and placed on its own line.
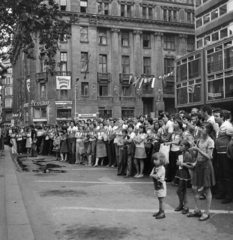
x=75 y=95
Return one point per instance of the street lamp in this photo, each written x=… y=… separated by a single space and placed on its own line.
x=75 y=95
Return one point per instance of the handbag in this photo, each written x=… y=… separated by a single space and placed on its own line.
x=165 y=149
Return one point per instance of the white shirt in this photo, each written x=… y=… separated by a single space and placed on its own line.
x=169 y=127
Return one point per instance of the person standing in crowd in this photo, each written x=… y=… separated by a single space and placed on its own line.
x=101 y=151
x=39 y=138
x=224 y=169
x=175 y=150
x=140 y=152
x=118 y=132
x=203 y=174
x=183 y=176
x=130 y=151
x=64 y=146
x=29 y=141
x=79 y=145
x=34 y=140
x=110 y=145
x=19 y=139
x=72 y=141
x=169 y=127
x=56 y=145
x=13 y=141
x=158 y=176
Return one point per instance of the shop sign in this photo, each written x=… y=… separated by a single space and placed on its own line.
x=63 y=82
x=36 y=104
x=214 y=95
x=64 y=105
x=15 y=115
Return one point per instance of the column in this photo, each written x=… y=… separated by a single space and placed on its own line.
x=158 y=100
x=115 y=70
x=182 y=44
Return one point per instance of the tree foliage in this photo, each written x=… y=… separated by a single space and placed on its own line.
x=23 y=23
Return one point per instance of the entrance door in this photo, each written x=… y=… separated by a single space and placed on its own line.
x=147 y=106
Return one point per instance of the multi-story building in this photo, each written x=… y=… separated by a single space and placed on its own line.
x=111 y=41
x=206 y=75
x=7 y=94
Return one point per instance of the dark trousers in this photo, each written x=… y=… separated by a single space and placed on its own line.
x=46 y=147
x=111 y=153
x=122 y=161
x=19 y=146
x=225 y=175
x=38 y=143
x=172 y=167
x=71 y=149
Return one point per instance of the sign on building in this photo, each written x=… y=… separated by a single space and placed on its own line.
x=63 y=82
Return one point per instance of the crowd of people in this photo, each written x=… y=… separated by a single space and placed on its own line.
x=184 y=148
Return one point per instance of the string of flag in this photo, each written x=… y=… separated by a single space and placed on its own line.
x=138 y=81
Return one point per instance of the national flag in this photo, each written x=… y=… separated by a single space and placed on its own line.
x=191 y=89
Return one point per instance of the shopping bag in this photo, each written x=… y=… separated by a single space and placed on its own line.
x=165 y=149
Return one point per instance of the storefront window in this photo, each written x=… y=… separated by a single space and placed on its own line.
x=195 y=95
x=182 y=96
x=194 y=68
x=215 y=89
x=40 y=112
x=228 y=58
x=182 y=72
x=229 y=87
x=214 y=62
x=63 y=113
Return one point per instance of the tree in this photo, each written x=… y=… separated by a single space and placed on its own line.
x=23 y=22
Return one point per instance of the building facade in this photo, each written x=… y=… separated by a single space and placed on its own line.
x=112 y=42
x=206 y=75
x=7 y=95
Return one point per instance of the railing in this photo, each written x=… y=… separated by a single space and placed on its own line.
x=62 y=73
x=106 y=76
x=42 y=75
x=105 y=98
x=127 y=98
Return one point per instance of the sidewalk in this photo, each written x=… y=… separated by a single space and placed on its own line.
x=14 y=223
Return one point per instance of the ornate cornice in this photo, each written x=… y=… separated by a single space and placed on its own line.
x=123 y=2
x=116 y=30
x=98 y=17
x=149 y=5
x=137 y=32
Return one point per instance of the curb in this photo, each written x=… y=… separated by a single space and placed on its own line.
x=18 y=225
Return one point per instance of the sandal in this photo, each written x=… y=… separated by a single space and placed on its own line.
x=156 y=214
x=185 y=211
x=194 y=214
x=160 y=216
x=204 y=217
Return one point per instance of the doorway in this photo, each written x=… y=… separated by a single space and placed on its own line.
x=147 y=106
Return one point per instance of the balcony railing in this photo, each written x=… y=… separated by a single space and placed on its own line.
x=62 y=73
x=127 y=98
x=105 y=98
x=103 y=76
x=42 y=76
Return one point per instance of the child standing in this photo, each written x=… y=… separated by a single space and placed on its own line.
x=56 y=145
x=158 y=176
x=183 y=176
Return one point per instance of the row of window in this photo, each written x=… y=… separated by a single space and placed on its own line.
x=216 y=13
x=200 y=2
x=215 y=36
x=169 y=40
x=41 y=112
x=125 y=63
x=126 y=10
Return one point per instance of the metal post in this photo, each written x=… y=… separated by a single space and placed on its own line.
x=75 y=102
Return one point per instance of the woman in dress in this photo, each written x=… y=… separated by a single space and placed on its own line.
x=79 y=145
x=140 y=152
x=63 y=146
x=101 y=150
x=203 y=174
x=175 y=150
x=13 y=141
x=29 y=141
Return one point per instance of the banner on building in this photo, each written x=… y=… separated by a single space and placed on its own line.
x=63 y=82
x=28 y=85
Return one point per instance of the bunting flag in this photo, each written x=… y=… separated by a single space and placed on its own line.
x=140 y=84
x=191 y=89
x=131 y=78
x=153 y=83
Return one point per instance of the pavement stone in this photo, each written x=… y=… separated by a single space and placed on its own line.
x=17 y=222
